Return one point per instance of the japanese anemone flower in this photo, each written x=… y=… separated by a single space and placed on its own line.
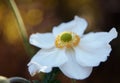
x=67 y=48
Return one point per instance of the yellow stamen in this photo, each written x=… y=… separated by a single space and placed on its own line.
x=67 y=39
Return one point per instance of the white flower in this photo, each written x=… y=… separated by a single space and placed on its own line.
x=70 y=50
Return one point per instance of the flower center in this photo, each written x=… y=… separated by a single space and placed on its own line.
x=67 y=39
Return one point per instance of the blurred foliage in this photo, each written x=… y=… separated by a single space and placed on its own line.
x=4 y=80
x=41 y=16
x=10 y=31
x=51 y=77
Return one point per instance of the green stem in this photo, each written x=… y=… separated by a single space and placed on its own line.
x=74 y=81
x=21 y=26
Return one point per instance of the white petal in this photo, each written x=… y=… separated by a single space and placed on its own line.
x=92 y=57
x=50 y=57
x=35 y=68
x=94 y=48
x=99 y=38
x=45 y=40
x=73 y=70
x=78 y=26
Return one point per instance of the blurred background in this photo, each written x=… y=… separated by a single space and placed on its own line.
x=41 y=16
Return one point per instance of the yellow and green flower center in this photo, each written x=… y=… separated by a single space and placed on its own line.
x=67 y=39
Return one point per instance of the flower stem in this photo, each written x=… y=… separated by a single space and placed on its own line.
x=74 y=81
x=21 y=26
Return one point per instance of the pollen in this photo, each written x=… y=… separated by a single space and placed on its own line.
x=67 y=40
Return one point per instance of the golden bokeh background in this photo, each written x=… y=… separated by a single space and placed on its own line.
x=41 y=16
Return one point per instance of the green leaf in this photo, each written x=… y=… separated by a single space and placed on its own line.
x=36 y=81
x=51 y=77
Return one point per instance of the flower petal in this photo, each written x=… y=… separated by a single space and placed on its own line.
x=94 y=48
x=78 y=26
x=35 y=68
x=50 y=57
x=99 y=38
x=92 y=57
x=72 y=69
x=45 y=40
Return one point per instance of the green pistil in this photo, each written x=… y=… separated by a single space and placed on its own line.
x=66 y=37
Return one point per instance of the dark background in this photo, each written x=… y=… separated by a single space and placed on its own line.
x=41 y=16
